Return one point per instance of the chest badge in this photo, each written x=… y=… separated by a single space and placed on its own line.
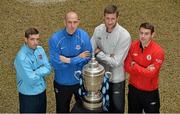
x=148 y=57
x=40 y=57
x=78 y=47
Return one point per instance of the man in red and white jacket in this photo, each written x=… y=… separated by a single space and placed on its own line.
x=143 y=64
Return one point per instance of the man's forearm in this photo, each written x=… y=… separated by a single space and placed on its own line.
x=64 y=59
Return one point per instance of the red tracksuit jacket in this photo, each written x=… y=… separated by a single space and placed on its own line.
x=140 y=76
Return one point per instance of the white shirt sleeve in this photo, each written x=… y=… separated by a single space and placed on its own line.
x=119 y=55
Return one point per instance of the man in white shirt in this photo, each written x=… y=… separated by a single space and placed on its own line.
x=111 y=43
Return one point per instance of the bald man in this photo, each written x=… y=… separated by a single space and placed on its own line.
x=70 y=49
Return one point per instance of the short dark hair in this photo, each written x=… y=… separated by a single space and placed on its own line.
x=147 y=26
x=110 y=9
x=31 y=31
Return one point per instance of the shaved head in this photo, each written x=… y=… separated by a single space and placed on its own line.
x=71 y=14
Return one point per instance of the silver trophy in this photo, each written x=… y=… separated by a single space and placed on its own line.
x=94 y=85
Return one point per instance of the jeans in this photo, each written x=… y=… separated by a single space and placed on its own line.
x=117 y=97
x=63 y=94
x=33 y=103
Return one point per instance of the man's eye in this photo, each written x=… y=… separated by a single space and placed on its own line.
x=146 y=33
x=141 y=33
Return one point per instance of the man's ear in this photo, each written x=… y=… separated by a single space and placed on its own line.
x=79 y=20
x=25 y=39
x=64 y=22
x=153 y=34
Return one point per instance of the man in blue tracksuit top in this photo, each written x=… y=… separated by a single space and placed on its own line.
x=32 y=67
x=70 y=49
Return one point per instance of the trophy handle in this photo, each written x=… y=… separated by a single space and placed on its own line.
x=108 y=75
x=77 y=74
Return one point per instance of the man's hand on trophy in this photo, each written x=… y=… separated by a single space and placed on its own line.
x=85 y=54
x=97 y=50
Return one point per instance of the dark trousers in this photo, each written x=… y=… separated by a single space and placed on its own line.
x=32 y=103
x=117 y=97
x=63 y=94
x=139 y=100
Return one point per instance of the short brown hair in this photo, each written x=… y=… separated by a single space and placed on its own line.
x=31 y=31
x=110 y=9
x=147 y=26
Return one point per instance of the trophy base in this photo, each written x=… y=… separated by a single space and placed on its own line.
x=80 y=108
x=92 y=105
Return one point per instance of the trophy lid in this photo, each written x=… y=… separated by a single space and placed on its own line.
x=93 y=68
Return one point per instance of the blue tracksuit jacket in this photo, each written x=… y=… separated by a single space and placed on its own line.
x=31 y=68
x=62 y=43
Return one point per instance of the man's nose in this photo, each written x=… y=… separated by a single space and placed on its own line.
x=110 y=21
x=72 y=25
x=36 y=41
x=143 y=35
